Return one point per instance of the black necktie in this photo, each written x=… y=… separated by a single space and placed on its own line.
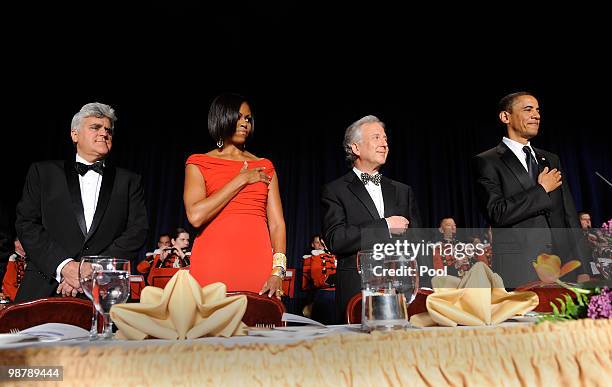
x=82 y=169
x=532 y=166
x=374 y=179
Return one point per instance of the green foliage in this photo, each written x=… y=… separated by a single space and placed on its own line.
x=568 y=309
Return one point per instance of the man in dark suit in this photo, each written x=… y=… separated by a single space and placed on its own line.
x=521 y=194
x=82 y=206
x=363 y=205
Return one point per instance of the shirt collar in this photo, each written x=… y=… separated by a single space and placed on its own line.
x=358 y=172
x=79 y=159
x=516 y=146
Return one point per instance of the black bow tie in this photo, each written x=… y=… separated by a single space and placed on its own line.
x=82 y=169
x=374 y=179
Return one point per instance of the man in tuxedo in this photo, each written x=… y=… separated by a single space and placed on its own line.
x=522 y=195
x=82 y=206
x=363 y=205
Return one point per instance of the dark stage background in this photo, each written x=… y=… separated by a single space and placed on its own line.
x=309 y=74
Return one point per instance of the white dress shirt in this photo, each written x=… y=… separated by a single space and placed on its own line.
x=375 y=192
x=517 y=148
x=90 y=184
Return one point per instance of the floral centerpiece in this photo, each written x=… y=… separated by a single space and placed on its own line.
x=592 y=303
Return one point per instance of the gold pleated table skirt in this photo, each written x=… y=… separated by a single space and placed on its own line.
x=571 y=354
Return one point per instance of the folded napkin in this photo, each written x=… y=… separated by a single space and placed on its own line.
x=181 y=310
x=479 y=298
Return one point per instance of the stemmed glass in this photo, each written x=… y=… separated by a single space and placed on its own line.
x=86 y=269
x=111 y=285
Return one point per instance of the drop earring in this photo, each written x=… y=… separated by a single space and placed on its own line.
x=220 y=143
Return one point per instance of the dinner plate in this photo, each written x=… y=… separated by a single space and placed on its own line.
x=527 y=318
x=9 y=338
x=283 y=333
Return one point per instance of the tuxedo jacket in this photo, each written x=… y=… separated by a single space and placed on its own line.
x=51 y=223
x=526 y=220
x=348 y=214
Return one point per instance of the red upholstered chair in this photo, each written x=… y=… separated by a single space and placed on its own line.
x=289 y=283
x=549 y=294
x=160 y=276
x=262 y=309
x=73 y=311
x=353 y=308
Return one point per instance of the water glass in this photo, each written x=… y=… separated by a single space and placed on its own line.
x=111 y=286
x=389 y=284
x=86 y=269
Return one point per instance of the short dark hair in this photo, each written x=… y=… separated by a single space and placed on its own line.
x=444 y=218
x=583 y=213
x=178 y=232
x=224 y=113
x=505 y=104
x=312 y=238
x=165 y=234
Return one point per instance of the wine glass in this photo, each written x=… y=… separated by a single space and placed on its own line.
x=86 y=269
x=111 y=285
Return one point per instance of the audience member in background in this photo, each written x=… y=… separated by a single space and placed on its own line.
x=318 y=279
x=232 y=196
x=450 y=252
x=522 y=195
x=585 y=220
x=80 y=206
x=145 y=265
x=177 y=255
x=15 y=270
x=589 y=239
x=447 y=230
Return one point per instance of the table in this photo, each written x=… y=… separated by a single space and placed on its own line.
x=570 y=353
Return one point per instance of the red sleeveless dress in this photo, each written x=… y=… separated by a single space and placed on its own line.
x=234 y=247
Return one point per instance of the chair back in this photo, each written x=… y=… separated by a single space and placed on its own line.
x=289 y=283
x=69 y=310
x=261 y=309
x=160 y=276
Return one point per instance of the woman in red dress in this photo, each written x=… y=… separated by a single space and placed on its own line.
x=233 y=197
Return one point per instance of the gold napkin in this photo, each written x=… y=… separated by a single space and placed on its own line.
x=479 y=298
x=181 y=310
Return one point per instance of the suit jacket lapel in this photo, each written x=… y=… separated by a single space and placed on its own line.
x=515 y=166
x=106 y=190
x=388 y=192
x=356 y=187
x=72 y=179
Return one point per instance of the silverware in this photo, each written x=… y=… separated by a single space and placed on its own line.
x=14 y=331
x=263 y=326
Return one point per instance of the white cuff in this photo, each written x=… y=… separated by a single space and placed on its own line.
x=388 y=228
x=58 y=272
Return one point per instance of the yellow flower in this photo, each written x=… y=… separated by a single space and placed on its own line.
x=549 y=268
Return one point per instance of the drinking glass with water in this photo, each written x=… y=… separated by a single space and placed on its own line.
x=111 y=285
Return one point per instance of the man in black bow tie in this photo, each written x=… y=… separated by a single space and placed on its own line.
x=363 y=205
x=521 y=192
x=78 y=207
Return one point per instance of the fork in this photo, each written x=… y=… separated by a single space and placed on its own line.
x=265 y=326
x=14 y=330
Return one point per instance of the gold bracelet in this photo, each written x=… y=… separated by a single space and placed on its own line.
x=279 y=260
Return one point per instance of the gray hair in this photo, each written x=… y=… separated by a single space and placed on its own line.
x=353 y=135
x=94 y=109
